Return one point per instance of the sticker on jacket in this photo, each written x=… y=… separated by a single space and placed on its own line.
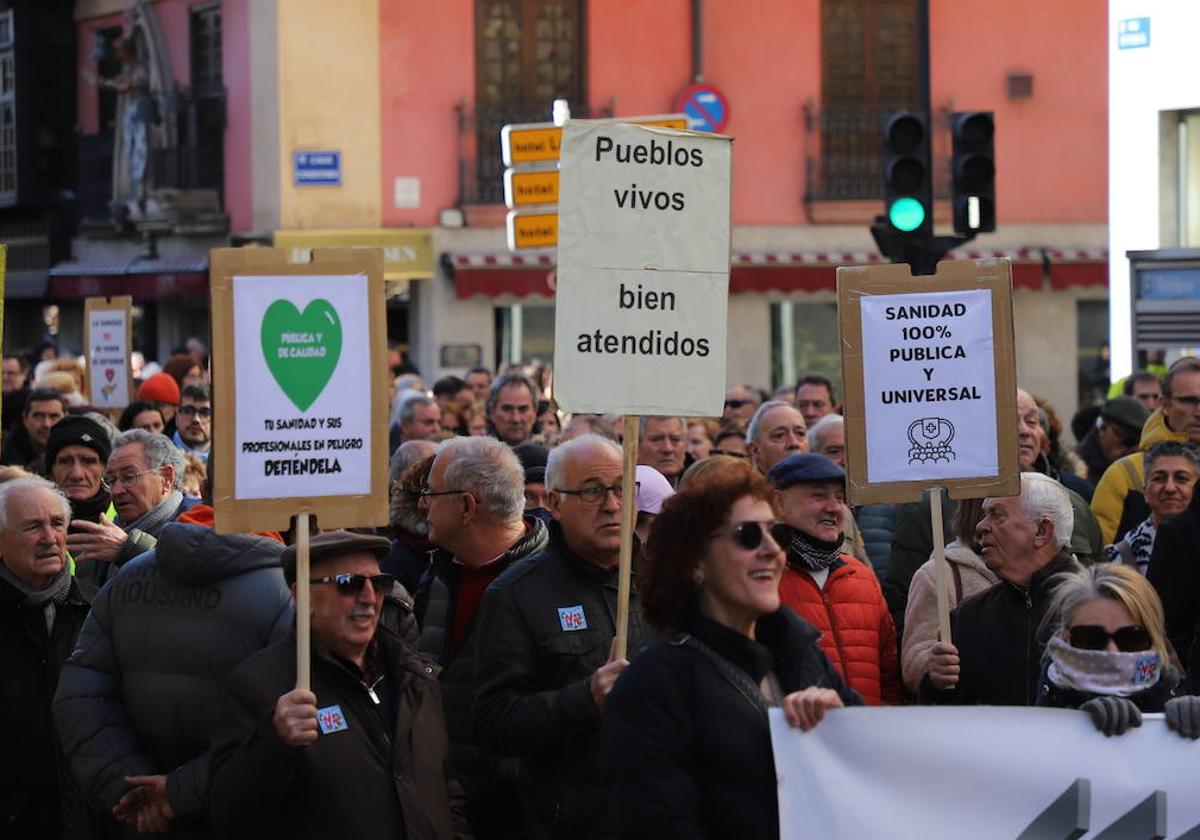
x=572 y=618
x=331 y=720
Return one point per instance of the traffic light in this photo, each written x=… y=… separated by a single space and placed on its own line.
x=974 y=171
x=907 y=188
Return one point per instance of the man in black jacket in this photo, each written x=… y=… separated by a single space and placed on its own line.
x=41 y=611
x=998 y=635
x=1175 y=574
x=475 y=500
x=134 y=701
x=363 y=753
x=545 y=656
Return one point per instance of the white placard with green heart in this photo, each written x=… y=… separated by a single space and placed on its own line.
x=303 y=387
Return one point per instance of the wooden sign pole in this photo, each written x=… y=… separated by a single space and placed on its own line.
x=628 y=517
x=941 y=568
x=303 y=638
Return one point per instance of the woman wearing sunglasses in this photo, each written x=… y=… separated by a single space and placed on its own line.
x=685 y=739
x=1109 y=656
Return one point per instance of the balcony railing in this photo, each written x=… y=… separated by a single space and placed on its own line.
x=481 y=167
x=844 y=157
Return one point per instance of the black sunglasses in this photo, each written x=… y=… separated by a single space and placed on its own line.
x=750 y=535
x=737 y=403
x=353 y=584
x=1094 y=637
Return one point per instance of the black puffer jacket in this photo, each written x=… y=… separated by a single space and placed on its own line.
x=37 y=797
x=1001 y=638
x=688 y=755
x=137 y=694
x=490 y=784
x=1175 y=575
x=545 y=626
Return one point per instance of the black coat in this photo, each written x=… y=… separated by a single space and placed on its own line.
x=1001 y=637
x=1175 y=574
x=490 y=784
x=37 y=797
x=545 y=625
x=360 y=779
x=136 y=696
x=687 y=754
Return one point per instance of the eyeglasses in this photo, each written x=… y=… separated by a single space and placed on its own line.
x=750 y=535
x=1128 y=639
x=426 y=493
x=127 y=479
x=595 y=495
x=203 y=412
x=348 y=584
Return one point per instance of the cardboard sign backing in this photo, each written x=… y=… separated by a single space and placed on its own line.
x=293 y=396
x=991 y=277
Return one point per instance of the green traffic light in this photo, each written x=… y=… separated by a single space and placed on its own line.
x=906 y=214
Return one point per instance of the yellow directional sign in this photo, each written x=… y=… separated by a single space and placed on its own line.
x=523 y=188
x=539 y=142
x=532 y=230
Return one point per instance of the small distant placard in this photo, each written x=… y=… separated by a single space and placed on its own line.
x=107 y=331
x=930 y=381
x=313 y=169
x=1133 y=33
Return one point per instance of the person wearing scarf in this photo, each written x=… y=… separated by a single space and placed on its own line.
x=1109 y=655
x=833 y=591
x=42 y=609
x=143 y=477
x=77 y=453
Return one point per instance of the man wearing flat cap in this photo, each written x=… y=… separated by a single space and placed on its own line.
x=363 y=753
x=1115 y=435
x=832 y=590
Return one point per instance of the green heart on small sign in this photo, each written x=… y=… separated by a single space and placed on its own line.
x=302 y=349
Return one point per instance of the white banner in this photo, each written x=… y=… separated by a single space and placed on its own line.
x=984 y=773
x=929 y=386
x=643 y=270
x=303 y=386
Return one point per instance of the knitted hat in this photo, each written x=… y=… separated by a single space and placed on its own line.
x=77 y=431
x=533 y=460
x=160 y=388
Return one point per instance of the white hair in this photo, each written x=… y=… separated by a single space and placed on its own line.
x=556 y=464
x=8 y=488
x=399 y=401
x=1044 y=498
x=158 y=450
x=752 y=429
x=823 y=427
x=489 y=469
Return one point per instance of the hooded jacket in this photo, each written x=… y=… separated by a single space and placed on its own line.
x=136 y=695
x=1118 y=501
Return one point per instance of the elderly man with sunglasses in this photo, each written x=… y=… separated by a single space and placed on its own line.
x=364 y=752
x=546 y=654
x=999 y=635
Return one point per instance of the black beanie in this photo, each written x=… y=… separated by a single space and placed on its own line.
x=77 y=431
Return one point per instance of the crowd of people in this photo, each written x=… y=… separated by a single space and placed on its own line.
x=465 y=679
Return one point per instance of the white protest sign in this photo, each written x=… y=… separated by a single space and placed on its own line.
x=929 y=386
x=303 y=386
x=107 y=329
x=643 y=270
x=987 y=773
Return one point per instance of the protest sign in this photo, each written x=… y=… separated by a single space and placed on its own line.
x=107 y=335
x=643 y=270
x=988 y=773
x=299 y=388
x=930 y=381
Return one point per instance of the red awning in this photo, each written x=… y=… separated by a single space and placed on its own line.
x=142 y=279
x=496 y=275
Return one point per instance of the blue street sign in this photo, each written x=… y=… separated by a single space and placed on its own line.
x=311 y=169
x=1133 y=33
x=706 y=108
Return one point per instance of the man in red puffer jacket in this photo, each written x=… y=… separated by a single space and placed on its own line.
x=833 y=591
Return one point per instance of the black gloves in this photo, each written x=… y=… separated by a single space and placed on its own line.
x=1183 y=715
x=1115 y=715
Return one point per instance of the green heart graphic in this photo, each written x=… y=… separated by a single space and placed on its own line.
x=301 y=349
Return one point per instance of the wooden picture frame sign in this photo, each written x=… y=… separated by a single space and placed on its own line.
x=108 y=365
x=937 y=365
x=305 y=349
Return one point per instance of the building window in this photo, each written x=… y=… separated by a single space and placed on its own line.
x=8 y=120
x=527 y=54
x=6 y=29
x=1091 y=319
x=524 y=334
x=206 y=48
x=804 y=340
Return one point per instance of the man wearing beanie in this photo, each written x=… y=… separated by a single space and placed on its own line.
x=533 y=462
x=76 y=455
x=833 y=591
